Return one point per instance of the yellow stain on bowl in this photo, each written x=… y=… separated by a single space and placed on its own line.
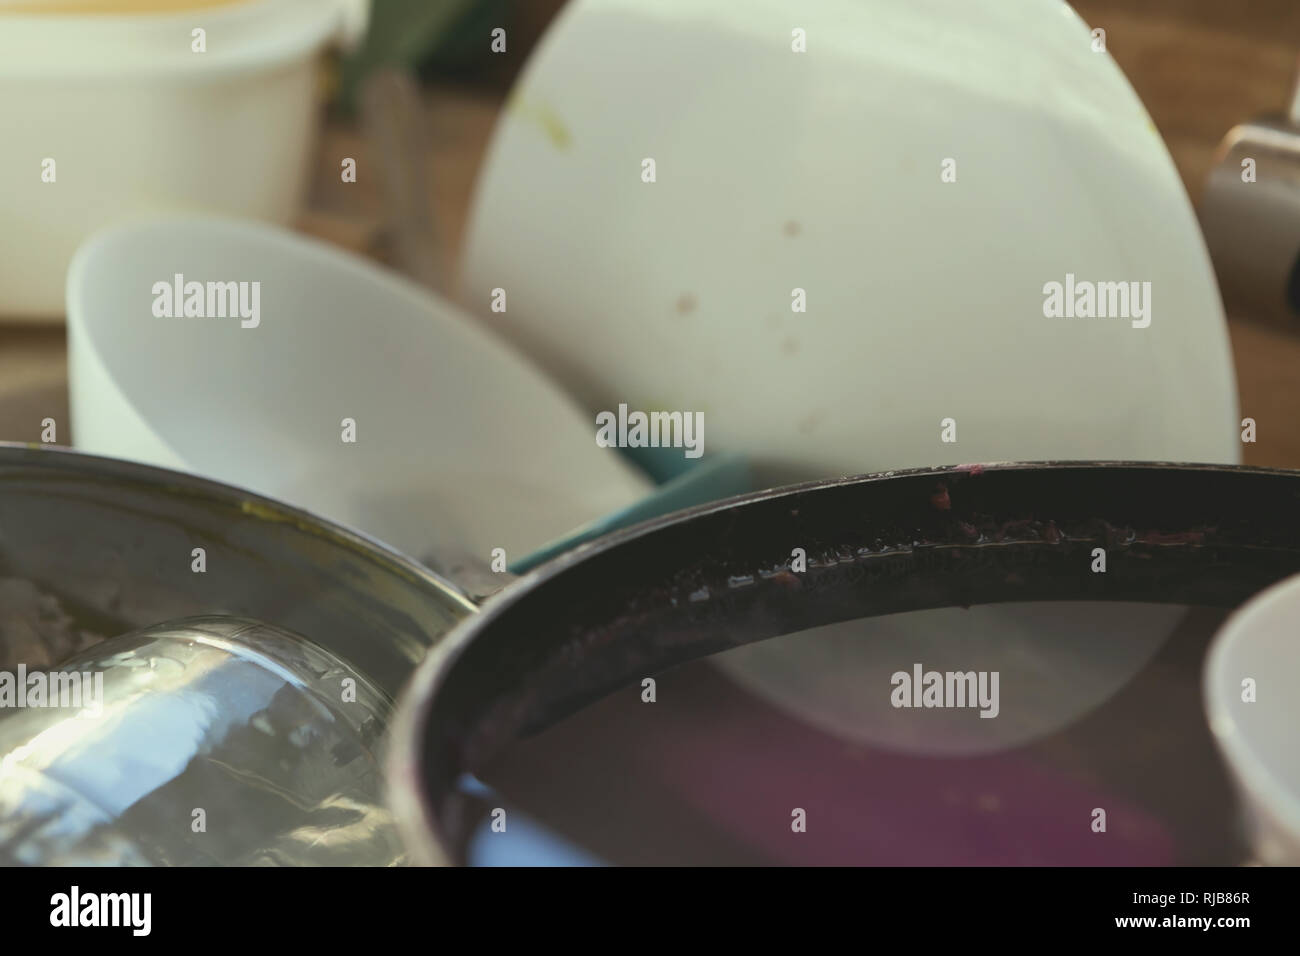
x=544 y=116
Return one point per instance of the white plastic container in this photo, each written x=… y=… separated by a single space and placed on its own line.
x=136 y=121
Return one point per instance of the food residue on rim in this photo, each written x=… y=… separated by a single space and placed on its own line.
x=1176 y=537
x=784 y=577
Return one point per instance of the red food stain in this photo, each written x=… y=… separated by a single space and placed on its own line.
x=787 y=579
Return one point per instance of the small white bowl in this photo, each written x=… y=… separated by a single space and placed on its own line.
x=461 y=445
x=1259 y=739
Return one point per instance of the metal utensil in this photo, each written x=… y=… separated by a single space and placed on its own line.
x=394 y=124
x=1250 y=213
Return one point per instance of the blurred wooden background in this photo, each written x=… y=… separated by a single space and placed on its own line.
x=1200 y=66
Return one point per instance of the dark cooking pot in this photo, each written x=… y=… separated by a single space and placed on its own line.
x=636 y=603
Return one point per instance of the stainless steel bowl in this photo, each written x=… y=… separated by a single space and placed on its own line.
x=237 y=715
x=94 y=547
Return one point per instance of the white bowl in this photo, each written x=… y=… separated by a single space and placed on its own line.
x=1260 y=643
x=461 y=446
x=821 y=171
x=138 y=123
x=778 y=170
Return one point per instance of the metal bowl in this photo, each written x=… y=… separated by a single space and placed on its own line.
x=251 y=731
x=92 y=547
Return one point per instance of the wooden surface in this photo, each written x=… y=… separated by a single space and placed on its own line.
x=1200 y=66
